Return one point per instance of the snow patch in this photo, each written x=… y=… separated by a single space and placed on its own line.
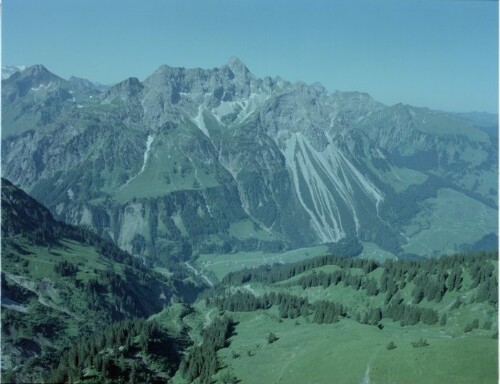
x=41 y=86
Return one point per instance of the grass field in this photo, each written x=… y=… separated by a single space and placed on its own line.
x=347 y=352
x=41 y=261
x=402 y=178
x=167 y=169
x=222 y=264
x=449 y=220
x=245 y=229
x=350 y=352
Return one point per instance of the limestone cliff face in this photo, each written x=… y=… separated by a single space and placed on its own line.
x=217 y=160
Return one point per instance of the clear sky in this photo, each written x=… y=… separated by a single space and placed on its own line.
x=442 y=54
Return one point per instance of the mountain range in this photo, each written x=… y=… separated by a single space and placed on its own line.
x=191 y=162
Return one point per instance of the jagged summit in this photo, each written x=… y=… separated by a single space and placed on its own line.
x=37 y=68
x=234 y=64
x=35 y=74
x=39 y=73
x=219 y=148
x=237 y=66
x=125 y=89
x=35 y=79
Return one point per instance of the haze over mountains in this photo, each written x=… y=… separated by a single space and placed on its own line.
x=200 y=161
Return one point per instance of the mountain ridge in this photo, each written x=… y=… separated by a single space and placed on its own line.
x=303 y=165
x=61 y=283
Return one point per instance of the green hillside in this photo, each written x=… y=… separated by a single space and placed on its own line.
x=61 y=282
x=76 y=308
x=352 y=321
x=323 y=320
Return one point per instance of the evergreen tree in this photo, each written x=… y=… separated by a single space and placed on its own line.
x=442 y=321
x=271 y=338
x=390 y=346
x=454 y=279
x=376 y=316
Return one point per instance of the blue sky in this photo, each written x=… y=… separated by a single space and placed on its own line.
x=439 y=54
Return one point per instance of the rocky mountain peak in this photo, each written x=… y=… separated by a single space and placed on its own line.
x=36 y=78
x=38 y=74
x=237 y=66
x=307 y=166
x=126 y=89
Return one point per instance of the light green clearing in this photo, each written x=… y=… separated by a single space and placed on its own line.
x=244 y=229
x=43 y=259
x=438 y=124
x=353 y=299
x=171 y=318
x=402 y=178
x=222 y=264
x=164 y=271
x=329 y=268
x=447 y=221
x=167 y=169
x=374 y=252
x=347 y=352
x=483 y=181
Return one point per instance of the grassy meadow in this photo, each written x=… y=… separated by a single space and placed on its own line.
x=347 y=352
x=450 y=219
x=222 y=264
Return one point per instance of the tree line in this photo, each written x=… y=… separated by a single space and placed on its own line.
x=432 y=278
x=279 y=272
x=112 y=355
x=202 y=362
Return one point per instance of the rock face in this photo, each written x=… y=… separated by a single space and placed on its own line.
x=196 y=161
